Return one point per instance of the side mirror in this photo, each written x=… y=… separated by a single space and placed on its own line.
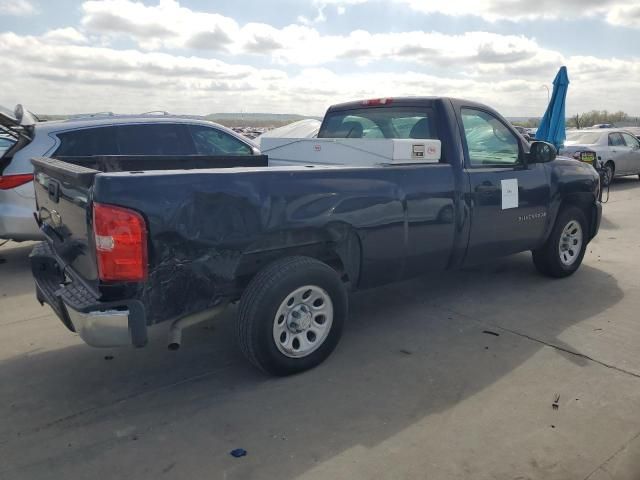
x=541 y=152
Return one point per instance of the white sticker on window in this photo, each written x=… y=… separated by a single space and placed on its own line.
x=509 y=193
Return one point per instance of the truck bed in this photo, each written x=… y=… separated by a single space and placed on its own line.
x=210 y=229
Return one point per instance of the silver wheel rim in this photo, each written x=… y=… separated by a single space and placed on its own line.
x=570 y=243
x=303 y=321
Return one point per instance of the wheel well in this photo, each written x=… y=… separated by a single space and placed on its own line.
x=328 y=256
x=581 y=200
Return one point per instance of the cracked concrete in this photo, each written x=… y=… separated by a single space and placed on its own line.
x=414 y=390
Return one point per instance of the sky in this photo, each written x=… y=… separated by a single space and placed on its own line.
x=300 y=56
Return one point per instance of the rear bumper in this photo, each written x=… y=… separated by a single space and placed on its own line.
x=99 y=324
x=109 y=328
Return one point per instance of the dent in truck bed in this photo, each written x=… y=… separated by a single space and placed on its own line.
x=211 y=231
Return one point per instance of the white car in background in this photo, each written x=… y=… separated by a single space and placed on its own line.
x=307 y=128
x=99 y=134
x=616 y=150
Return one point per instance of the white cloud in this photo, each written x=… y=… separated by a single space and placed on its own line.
x=165 y=24
x=628 y=16
x=615 y=12
x=319 y=18
x=65 y=35
x=65 y=78
x=70 y=70
x=17 y=7
x=170 y=25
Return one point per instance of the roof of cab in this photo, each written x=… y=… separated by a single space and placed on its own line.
x=383 y=102
x=389 y=102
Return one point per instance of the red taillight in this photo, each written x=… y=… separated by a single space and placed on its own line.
x=7 y=182
x=121 y=243
x=377 y=101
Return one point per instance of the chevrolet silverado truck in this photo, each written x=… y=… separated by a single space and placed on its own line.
x=128 y=249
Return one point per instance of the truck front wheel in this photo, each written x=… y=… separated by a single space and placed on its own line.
x=291 y=315
x=564 y=250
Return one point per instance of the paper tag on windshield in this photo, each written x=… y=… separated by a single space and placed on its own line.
x=509 y=193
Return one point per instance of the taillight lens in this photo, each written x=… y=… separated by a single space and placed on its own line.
x=121 y=243
x=7 y=182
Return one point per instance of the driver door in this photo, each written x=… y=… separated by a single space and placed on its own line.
x=509 y=199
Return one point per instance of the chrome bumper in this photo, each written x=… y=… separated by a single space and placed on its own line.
x=102 y=329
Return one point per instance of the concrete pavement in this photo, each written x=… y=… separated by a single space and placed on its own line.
x=440 y=378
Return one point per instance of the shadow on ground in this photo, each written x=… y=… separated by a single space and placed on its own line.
x=410 y=350
x=622 y=184
x=15 y=273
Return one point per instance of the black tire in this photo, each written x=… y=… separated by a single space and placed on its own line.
x=609 y=172
x=263 y=297
x=547 y=259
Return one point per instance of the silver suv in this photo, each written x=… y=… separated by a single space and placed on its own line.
x=100 y=134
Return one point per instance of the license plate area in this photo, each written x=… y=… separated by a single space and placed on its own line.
x=588 y=157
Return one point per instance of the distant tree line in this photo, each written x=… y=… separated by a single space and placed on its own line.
x=595 y=117
x=585 y=120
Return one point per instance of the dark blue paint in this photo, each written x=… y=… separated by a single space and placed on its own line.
x=211 y=230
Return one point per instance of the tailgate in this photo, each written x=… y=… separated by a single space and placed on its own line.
x=63 y=210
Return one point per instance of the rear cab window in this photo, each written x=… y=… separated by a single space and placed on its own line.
x=382 y=122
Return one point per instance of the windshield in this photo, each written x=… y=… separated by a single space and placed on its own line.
x=587 y=138
x=400 y=122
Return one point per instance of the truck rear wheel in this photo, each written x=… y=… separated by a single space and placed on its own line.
x=564 y=250
x=291 y=315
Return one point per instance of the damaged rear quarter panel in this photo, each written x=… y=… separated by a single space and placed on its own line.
x=210 y=231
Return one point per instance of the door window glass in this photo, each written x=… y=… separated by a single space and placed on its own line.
x=616 y=140
x=87 y=142
x=489 y=141
x=155 y=139
x=631 y=141
x=212 y=141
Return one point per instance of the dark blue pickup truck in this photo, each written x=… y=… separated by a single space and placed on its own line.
x=175 y=243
